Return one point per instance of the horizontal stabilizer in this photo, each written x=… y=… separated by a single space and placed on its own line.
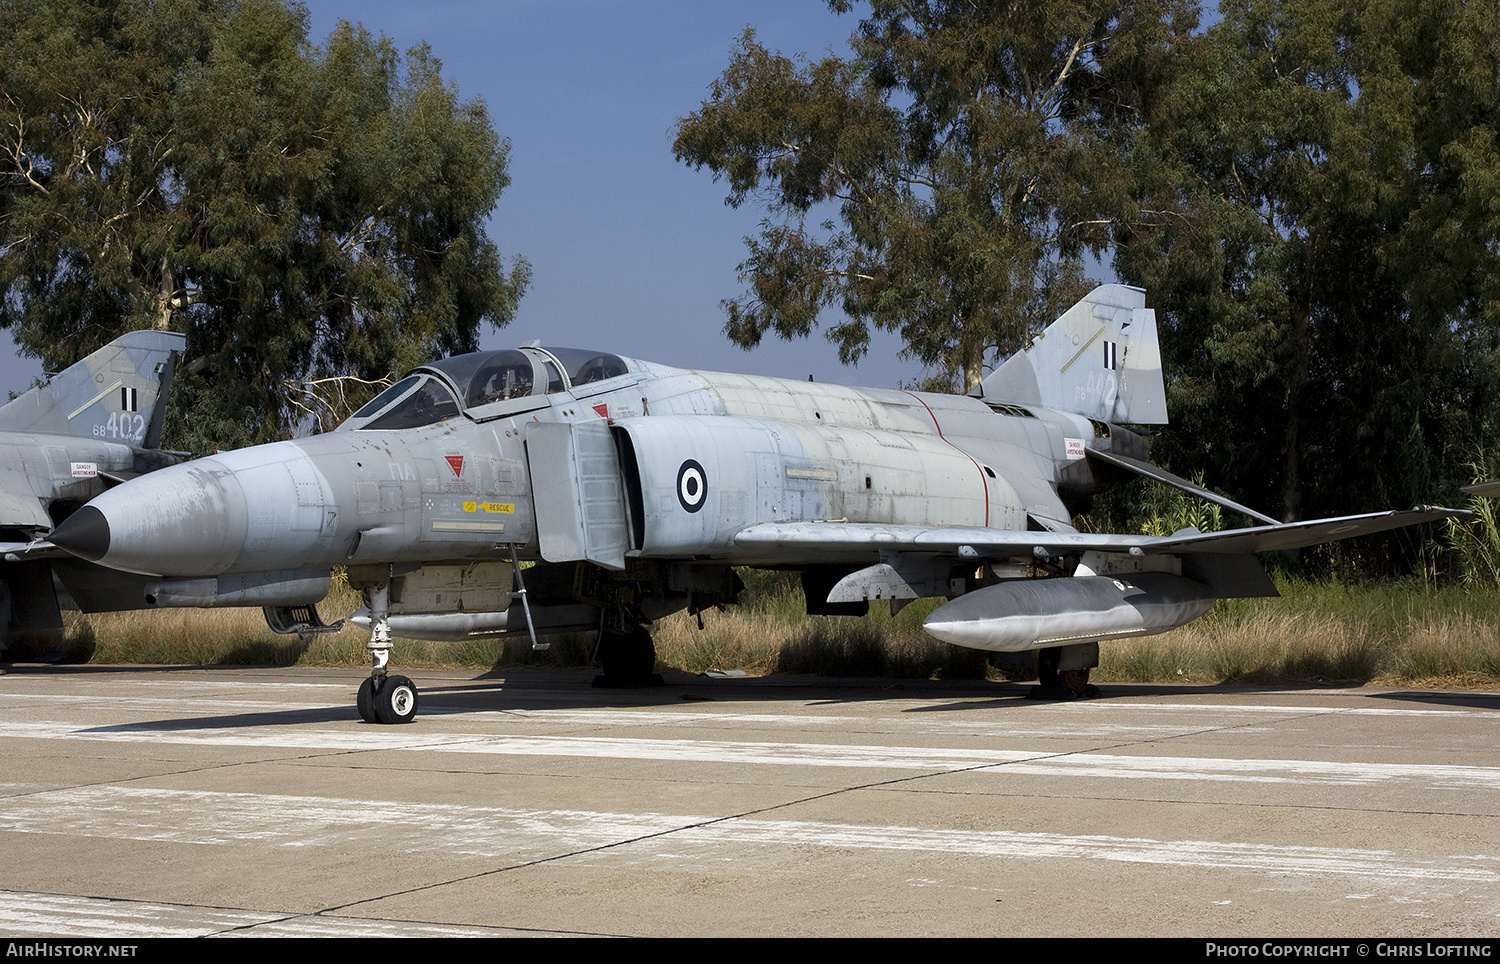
x=40 y=549
x=19 y=505
x=1298 y=535
x=1158 y=474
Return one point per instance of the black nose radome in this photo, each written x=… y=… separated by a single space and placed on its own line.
x=85 y=533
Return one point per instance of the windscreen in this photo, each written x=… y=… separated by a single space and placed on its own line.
x=429 y=402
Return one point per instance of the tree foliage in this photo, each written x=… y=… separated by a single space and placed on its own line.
x=1330 y=292
x=1309 y=191
x=302 y=212
x=964 y=159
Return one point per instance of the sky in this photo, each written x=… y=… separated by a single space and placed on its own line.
x=631 y=250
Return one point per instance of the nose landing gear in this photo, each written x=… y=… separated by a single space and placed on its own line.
x=383 y=698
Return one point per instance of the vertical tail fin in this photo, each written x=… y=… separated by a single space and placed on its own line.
x=1100 y=359
x=117 y=394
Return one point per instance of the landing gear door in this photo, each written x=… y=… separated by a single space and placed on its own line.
x=578 y=492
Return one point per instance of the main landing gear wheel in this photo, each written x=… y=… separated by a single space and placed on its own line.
x=628 y=660
x=392 y=699
x=1072 y=684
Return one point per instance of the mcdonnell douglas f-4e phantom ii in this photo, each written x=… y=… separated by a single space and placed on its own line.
x=636 y=489
x=92 y=425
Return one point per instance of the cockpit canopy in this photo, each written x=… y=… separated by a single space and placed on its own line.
x=490 y=384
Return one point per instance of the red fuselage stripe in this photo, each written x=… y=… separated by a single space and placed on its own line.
x=980 y=468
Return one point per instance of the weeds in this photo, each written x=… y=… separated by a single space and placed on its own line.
x=1474 y=545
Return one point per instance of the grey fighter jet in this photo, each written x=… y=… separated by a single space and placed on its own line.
x=91 y=426
x=636 y=488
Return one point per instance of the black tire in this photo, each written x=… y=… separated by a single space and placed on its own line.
x=365 y=701
x=4 y=619
x=1076 y=682
x=396 y=700
x=628 y=656
x=1047 y=675
x=1055 y=685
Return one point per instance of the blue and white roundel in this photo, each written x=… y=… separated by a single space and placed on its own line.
x=692 y=485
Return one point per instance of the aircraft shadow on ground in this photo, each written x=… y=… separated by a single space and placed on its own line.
x=498 y=692
x=1469 y=700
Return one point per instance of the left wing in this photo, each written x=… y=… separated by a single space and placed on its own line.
x=858 y=540
x=1297 y=535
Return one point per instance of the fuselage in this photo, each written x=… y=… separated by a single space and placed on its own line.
x=45 y=476
x=438 y=468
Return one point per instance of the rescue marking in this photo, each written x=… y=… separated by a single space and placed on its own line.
x=939 y=428
x=506 y=507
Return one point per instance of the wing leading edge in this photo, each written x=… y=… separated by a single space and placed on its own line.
x=854 y=539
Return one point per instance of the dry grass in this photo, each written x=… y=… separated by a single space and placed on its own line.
x=1448 y=650
x=233 y=637
x=771 y=633
x=1262 y=646
x=1336 y=637
x=1327 y=633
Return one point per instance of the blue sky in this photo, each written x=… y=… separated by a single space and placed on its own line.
x=631 y=250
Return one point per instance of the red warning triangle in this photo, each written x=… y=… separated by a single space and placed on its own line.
x=603 y=410
x=456 y=463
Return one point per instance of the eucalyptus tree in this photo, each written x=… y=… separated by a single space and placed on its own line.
x=1330 y=288
x=944 y=181
x=304 y=212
